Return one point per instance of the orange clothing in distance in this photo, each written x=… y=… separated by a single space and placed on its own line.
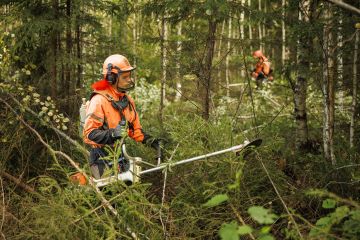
x=263 y=66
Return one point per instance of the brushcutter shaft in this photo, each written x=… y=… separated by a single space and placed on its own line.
x=234 y=149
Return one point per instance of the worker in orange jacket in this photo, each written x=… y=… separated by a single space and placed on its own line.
x=111 y=113
x=262 y=71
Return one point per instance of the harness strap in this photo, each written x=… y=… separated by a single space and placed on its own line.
x=118 y=105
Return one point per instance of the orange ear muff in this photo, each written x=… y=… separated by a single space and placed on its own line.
x=109 y=76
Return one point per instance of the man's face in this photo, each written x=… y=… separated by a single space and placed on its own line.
x=125 y=81
x=258 y=59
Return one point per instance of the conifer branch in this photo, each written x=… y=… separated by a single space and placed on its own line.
x=73 y=163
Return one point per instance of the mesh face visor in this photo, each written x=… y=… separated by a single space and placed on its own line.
x=131 y=84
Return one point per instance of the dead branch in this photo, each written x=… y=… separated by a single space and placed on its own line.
x=18 y=182
x=72 y=162
x=345 y=6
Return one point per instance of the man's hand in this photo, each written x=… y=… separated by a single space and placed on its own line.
x=157 y=144
x=120 y=131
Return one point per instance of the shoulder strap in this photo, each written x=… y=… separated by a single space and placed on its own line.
x=104 y=94
x=118 y=105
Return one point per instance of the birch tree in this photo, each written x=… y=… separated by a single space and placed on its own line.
x=227 y=60
x=303 y=67
x=164 y=60
x=242 y=33
x=178 y=64
x=328 y=87
x=340 y=64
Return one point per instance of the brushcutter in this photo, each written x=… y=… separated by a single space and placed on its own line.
x=134 y=171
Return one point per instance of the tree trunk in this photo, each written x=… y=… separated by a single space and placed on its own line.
x=250 y=30
x=205 y=84
x=219 y=50
x=135 y=35
x=227 y=60
x=300 y=86
x=328 y=89
x=78 y=52
x=242 y=34
x=340 y=65
x=54 y=47
x=283 y=30
x=164 y=36
x=354 y=90
x=68 y=86
x=263 y=28
x=178 y=64
x=260 y=30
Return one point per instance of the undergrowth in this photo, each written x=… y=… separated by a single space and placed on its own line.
x=266 y=194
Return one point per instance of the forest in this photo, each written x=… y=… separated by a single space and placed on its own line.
x=209 y=75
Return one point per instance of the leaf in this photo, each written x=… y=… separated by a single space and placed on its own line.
x=324 y=221
x=329 y=203
x=266 y=237
x=265 y=229
x=245 y=229
x=262 y=215
x=229 y=231
x=216 y=200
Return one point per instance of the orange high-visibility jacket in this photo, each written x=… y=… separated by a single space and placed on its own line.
x=263 y=66
x=102 y=116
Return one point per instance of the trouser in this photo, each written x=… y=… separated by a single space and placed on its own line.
x=98 y=165
x=260 y=79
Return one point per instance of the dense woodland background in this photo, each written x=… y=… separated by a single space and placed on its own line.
x=194 y=89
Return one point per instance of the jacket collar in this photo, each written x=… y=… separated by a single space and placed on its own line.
x=115 y=93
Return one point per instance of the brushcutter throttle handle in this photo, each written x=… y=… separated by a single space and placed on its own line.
x=159 y=149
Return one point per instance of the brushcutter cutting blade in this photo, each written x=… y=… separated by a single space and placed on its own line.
x=248 y=146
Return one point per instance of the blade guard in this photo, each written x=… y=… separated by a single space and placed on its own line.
x=247 y=145
x=129 y=177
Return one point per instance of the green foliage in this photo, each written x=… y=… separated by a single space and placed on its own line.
x=343 y=220
x=329 y=203
x=262 y=215
x=45 y=50
x=216 y=200
x=229 y=231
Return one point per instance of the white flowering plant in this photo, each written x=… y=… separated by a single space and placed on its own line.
x=43 y=106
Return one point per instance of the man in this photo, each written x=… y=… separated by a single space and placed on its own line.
x=111 y=113
x=262 y=71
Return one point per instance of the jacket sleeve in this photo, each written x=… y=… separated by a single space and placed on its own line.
x=135 y=130
x=266 y=68
x=95 y=132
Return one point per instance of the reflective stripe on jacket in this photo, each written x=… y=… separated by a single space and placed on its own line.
x=102 y=116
